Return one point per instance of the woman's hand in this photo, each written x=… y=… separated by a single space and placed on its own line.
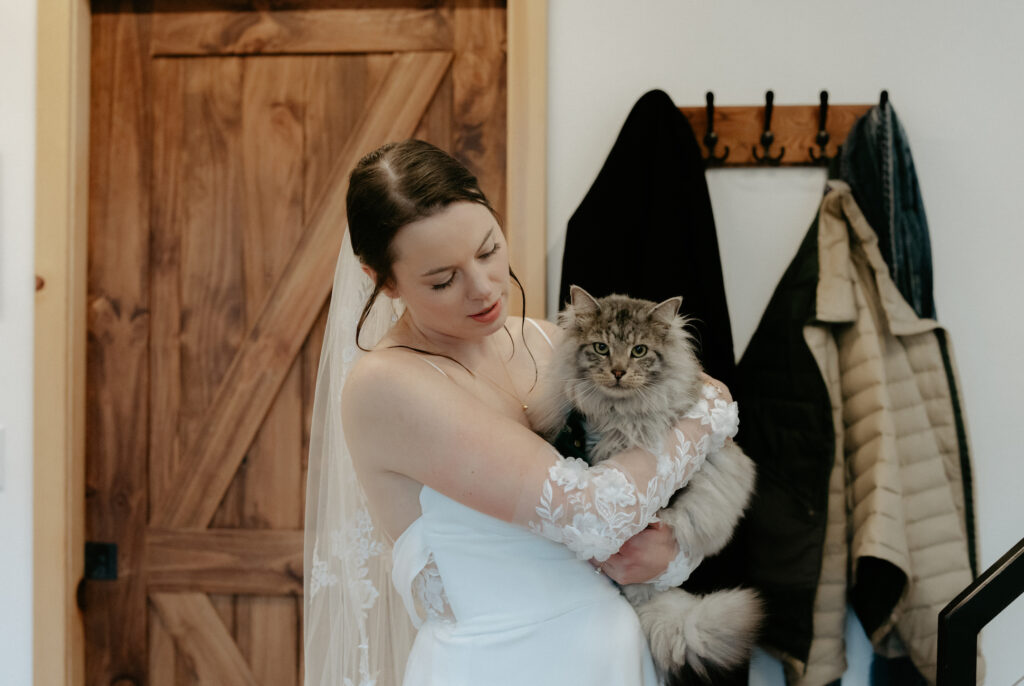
x=643 y=557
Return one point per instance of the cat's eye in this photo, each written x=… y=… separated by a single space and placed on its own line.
x=601 y=348
x=638 y=351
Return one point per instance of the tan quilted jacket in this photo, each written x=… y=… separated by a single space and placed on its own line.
x=895 y=491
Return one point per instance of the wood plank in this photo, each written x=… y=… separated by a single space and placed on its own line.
x=117 y=386
x=170 y=207
x=479 y=91
x=795 y=128
x=299 y=31
x=271 y=345
x=209 y=202
x=228 y=561
x=162 y=657
x=273 y=117
x=436 y=126
x=339 y=87
x=202 y=639
x=212 y=319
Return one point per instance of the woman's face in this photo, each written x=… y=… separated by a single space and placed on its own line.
x=451 y=269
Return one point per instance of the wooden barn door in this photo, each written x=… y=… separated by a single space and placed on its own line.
x=221 y=139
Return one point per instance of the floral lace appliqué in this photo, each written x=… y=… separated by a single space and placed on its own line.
x=678 y=570
x=723 y=417
x=350 y=548
x=428 y=592
x=594 y=510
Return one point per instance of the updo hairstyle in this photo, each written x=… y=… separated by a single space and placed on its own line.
x=395 y=185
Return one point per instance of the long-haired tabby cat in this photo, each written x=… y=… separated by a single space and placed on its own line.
x=628 y=366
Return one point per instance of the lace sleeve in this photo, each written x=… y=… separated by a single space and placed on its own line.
x=594 y=510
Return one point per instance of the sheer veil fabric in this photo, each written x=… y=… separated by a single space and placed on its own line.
x=356 y=629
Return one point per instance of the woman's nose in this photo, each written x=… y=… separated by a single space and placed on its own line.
x=480 y=285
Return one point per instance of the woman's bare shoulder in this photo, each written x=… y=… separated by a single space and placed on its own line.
x=386 y=375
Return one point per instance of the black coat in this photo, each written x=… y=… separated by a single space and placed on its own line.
x=645 y=229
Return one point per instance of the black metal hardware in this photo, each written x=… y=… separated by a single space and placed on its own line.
x=710 y=137
x=883 y=99
x=100 y=561
x=976 y=606
x=822 y=137
x=767 y=137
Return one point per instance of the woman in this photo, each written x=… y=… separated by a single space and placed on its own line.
x=483 y=528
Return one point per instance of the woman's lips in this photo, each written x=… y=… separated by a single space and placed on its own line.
x=490 y=314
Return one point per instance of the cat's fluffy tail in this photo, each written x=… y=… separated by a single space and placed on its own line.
x=714 y=631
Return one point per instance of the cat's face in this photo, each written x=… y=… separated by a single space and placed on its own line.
x=622 y=343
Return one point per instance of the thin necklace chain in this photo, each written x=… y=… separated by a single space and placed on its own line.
x=511 y=383
x=488 y=379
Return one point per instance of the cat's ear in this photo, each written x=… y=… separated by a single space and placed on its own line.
x=666 y=310
x=582 y=302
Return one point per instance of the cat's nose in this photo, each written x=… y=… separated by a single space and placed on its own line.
x=618 y=373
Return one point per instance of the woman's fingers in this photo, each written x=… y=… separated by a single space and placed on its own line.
x=644 y=556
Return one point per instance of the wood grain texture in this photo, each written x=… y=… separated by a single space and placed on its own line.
x=117 y=385
x=273 y=117
x=795 y=128
x=212 y=320
x=202 y=639
x=226 y=561
x=162 y=654
x=170 y=206
x=339 y=86
x=436 y=125
x=479 y=94
x=271 y=345
x=357 y=30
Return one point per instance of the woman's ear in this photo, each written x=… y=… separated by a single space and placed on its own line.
x=388 y=289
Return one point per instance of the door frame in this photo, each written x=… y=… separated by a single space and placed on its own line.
x=61 y=250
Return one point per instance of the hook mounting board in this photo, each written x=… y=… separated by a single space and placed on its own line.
x=795 y=128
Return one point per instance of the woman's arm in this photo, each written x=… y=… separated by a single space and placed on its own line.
x=401 y=416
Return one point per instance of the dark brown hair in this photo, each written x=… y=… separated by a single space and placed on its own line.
x=395 y=185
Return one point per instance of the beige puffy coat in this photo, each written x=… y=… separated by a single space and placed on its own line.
x=896 y=492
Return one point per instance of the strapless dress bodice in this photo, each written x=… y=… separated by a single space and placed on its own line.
x=498 y=604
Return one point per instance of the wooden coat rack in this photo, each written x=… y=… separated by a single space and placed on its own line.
x=769 y=135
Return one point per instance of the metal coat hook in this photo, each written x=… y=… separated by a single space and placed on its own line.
x=822 y=138
x=767 y=137
x=710 y=137
x=883 y=99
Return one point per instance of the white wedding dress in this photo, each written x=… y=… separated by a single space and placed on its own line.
x=497 y=604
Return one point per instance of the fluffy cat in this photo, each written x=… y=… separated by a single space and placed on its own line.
x=628 y=367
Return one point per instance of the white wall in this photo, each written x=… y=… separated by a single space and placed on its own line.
x=953 y=71
x=17 y=294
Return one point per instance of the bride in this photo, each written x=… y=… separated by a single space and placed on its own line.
x=446 y=543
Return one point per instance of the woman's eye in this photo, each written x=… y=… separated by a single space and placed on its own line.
x=446 y=284
x=601 y=348
x=639 y=350
x=491 y=251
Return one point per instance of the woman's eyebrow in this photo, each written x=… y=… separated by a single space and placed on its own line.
x=444 y=269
